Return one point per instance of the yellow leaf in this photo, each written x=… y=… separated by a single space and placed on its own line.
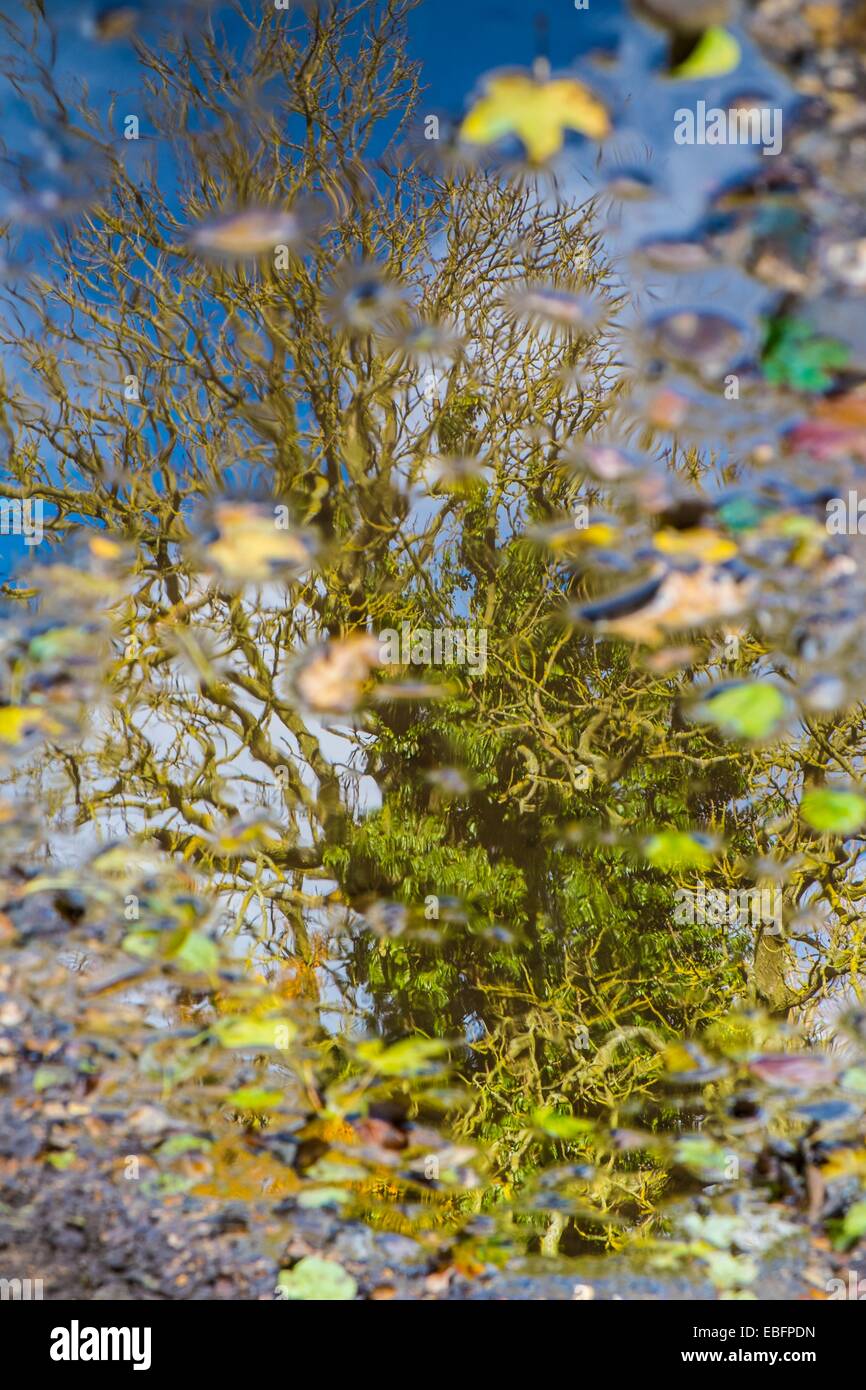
x=698 y=541
x=104 y=549
x=538 y=112
x=678 y=1058
x=16 y=721
x=844 y=1163
x=250 y=545
x=716 y=53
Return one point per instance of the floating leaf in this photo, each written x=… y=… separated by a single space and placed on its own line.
x=181 y=1144
x=144 y=944
x=793 y=356
x=674 y=255
x=687 y=16
x=332 y=678
x=251 y=231
x=243 y=836
x=61 y=1161
x=678 y=849
x=363 y=300
x=252 y=544
x=673 y=601
x=253 y=1032
x=854 y=1224
x=682 y=1057
x=555 y=308
x=115 y=22
x=730 y=1271
x=833 y=812
x=747 y=709
x=197 y=954
x=835 y=429
x=697 y=339
x=255 y=1098
x=46 y=1077
x=561 y=1126
x=700 y=542
x=854 y=1079
x=703 y=1156
x=16 y=722
x=715 y=54
x=538 y=112
x=312 y=1199
x=406 y=1058
x=796 y=1070
x=426 y=342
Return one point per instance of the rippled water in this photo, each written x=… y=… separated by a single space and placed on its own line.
x=441 y=644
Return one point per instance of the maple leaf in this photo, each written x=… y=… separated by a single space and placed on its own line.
x=538 y=112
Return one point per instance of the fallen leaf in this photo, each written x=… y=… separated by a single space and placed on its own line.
x=715 y=54
x=538 y=112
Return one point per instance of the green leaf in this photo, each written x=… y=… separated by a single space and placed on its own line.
x=677 y=849
x=716 y=1229
x=315 y=1280
x=837 y=813
x=254 y=1098
x=715 y=54
x=730 y=1271
x=143 y=944
x=317 y=1197
x=253 y=1032
x=793 y=356
x=167 y=1185
x=61 y=1161
x=182 y=1144
x=198 y=954
x=854 y=1225
x=560 y=1126
x=750 y=710
x=703 y=1156
x=45 y=1077
x=407 y=1058
x=854 y=1079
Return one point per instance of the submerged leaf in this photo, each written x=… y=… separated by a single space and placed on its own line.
x=793 y=356
x=317 y=1281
